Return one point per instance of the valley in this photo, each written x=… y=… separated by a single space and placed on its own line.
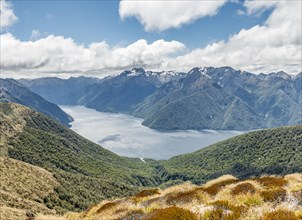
x=126 y=136
x=150 y=110
x=82 y=173
x=142 y=129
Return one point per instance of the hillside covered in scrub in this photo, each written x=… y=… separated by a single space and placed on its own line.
x=85 y=172
x=79 y=173
x=225 y=198
x=269 y=151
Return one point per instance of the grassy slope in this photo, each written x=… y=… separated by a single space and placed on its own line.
x=225 y=198
x=271 y=151
x=23 y=188
x=86 y=172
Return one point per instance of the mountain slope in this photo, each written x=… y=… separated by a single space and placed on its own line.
x=60 y=91
x=271 y=151
x=119 y=94
x=85 y=171
x=275 y=96
x=196 y=102
x=23 y=188
x=204 y=98
x=13 y=91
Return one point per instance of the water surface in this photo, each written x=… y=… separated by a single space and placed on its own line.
x=126 y=136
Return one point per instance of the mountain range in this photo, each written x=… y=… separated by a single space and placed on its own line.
x=13 y=91
x=78 y=173
x=204 y=98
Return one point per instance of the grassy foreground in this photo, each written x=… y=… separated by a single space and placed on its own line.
x=225 y=198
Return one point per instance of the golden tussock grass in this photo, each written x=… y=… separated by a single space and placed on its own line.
x=280 y=215
x=226 y=198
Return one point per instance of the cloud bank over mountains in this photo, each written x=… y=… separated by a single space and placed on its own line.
x=59 y=54
x=272 y=46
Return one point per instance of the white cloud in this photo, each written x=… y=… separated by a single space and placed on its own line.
x=59 y=54
x=162 y=15
x=274 y=46
x=7 y=16
x=35 y=34
x=258 y=7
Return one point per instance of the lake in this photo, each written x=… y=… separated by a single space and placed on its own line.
x=126 y=136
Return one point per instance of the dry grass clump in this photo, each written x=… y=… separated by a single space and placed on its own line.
x=243 y=188
x=280 y=215
x=134 y=214
x=216 y=187
x=183 y=197
x=298 y=196
x=145 y=193
x=249 y=200
x=171 y=213
x=224 y=210
x=272 y=181
x=106 y=206
x=49 y=217
x=274 y=195
x=148 y=192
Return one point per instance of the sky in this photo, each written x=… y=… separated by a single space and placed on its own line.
x=70 y=38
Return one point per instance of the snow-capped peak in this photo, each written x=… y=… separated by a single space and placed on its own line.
x=202 y=70
x=137 y=72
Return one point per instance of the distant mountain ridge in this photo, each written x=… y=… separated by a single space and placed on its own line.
x=203 y=98
x=13 y=91
x=59 y=91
